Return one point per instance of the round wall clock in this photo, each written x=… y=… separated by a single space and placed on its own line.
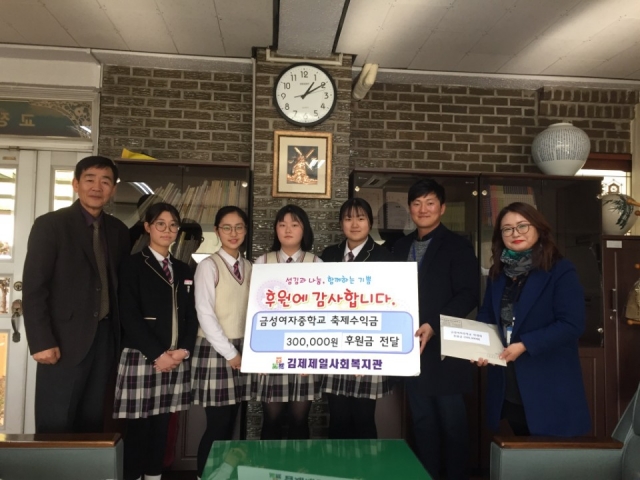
x=305 y=94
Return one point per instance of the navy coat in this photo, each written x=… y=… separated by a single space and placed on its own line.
x=371 y=252
x=147 y=300
x=448 y=284
x=549 y=319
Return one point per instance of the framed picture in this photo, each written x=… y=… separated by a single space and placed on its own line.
x=302 y=164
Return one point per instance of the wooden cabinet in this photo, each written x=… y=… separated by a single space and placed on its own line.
x=572 y=207
x=620 y=260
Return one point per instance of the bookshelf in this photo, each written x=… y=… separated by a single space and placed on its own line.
x=198 y=191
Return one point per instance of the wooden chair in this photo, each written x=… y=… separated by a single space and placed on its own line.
x=552 y=458
x=90 y=456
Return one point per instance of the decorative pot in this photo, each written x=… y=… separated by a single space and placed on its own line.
x=618 y=214
x=561 y=149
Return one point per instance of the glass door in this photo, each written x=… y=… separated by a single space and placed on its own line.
x=31 y=184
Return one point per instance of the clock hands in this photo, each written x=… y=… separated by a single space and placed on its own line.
x=305 y=93
x=311 y=90
x=322 y=85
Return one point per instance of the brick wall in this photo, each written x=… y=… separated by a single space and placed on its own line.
x=322 y=213
x=455 y=128
x=176 y=114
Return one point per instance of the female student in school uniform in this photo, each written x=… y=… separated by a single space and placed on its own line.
x=352 y=398
x=159 y=320
x=293 y=238
x=222 y=295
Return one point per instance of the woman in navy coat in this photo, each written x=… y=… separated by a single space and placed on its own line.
x=535 y=298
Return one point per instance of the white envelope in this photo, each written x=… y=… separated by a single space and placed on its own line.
x=470 y=340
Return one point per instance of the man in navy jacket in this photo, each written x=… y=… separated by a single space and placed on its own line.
x=448 y=284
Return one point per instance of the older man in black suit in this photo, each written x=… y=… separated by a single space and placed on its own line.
x=448 y=284
x=70 y=302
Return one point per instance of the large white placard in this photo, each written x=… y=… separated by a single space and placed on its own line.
x=345 y=318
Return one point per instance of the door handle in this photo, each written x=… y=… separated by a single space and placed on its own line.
x=16 y=313
x=614 y=300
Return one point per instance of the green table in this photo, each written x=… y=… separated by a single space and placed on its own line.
x=313 y=460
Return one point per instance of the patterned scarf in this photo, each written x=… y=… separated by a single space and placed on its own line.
x=516 y=263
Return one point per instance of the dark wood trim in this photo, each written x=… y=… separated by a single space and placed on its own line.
x=555 y=443
x=609 y=161
x=60 y=440
x=178 y=163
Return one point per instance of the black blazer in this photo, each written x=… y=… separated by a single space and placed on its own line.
x=61 y=294
x=146 y=305
x=448 y=283
x=371 y=252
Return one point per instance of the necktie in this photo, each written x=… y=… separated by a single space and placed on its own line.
x=98 y=251
x=165 y=269
x=289 y=260
x=236 y=270
x=350 y=257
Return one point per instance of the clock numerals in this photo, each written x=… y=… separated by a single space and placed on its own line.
x=286 y=85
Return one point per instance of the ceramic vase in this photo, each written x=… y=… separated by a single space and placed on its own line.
x=561 y=149
x=617 y=214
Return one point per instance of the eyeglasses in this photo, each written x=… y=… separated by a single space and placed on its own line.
x=162 y=226
x=228 y=228
x=521 y=228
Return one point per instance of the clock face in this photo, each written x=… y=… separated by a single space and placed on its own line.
x=305 y=94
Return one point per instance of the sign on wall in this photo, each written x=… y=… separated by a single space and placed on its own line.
x=342 y=318
x=46 y=118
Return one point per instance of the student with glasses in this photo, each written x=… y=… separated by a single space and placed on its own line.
x=158 y=317
x=222 y=296
x=535 y=298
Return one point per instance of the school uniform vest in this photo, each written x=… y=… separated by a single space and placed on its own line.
x=232 y=298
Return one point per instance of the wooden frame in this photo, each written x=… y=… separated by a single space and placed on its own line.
x=302 y=164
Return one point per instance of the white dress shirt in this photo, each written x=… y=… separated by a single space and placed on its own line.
x=283 y=257
x=205 y=280
x=160 y=259
x=355 y=251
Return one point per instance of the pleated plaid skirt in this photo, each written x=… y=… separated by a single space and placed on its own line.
x=365 y=386
x=213 y=382
x=287 y=388
x=142 y=392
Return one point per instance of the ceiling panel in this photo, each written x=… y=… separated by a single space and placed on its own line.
x=615 y=37
x=530 y=37
x=244 y=28
x=572 y=66
x=540 y=54
x=361 y=25
x=8 y=34
x=481 y=63
x=86 y=23
x=140 y=24
x=193 y=26
x=623 y=65
x=34 y=23
x=444 y=50
x=474 y=14
x=415 y=23
x=521 y=25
